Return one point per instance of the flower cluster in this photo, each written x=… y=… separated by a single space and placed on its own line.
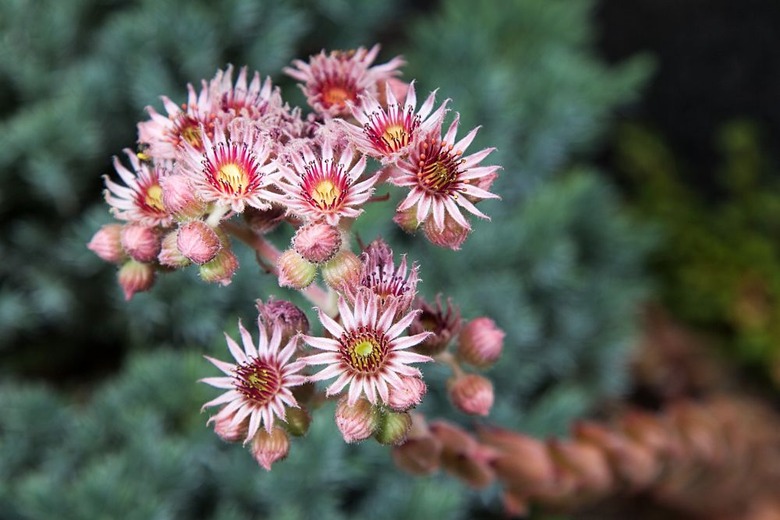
x=237 y=148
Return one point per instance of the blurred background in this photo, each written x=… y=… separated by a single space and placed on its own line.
x=633 y=260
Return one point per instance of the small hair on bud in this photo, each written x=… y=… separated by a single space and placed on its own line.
x=295 y=271
x=107 y=244
x=342 y=271
x=317 y=242
x=198 y=241
x=480 y=342
x=472 y=394
x=141 y=242
x=268 y=448
x=356 y=422
x=221 y=269
x=135 y=277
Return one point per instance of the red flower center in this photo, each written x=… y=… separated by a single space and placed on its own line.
x=364 y=350
x=438 y=169
x=258 y=380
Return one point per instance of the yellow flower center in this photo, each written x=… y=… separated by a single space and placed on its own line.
x=153 y=197
x=191 y=134
x=395 y=137
x=325 y=193
x=364 y=348
x=233 y=176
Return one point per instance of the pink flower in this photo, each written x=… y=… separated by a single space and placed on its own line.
x=333 y=81
x=232 y=171
x=379 y=276
x=258 y=384
x=252 y=100
x=442 y=180
x=325 y=186
x=367 y=352
x=389 y=133
x=163 y=136
x=140 y=199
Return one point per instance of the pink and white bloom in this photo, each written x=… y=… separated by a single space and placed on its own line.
x=258 y=383
x=389 y=133
x=442 y=180
x=140 y=199
x=379 y=275
x=325 y=186
x=164 y=135
x=366 y=353
x=233 y=171
x=333 y=81
x=252 y=99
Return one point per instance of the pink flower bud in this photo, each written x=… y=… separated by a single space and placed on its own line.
x=170 y=256
x=221 y=269
x=462 y=456
x=268 y=448
x=135 y=277
x=408 y=396
x=286 y=314
x=295 y=271
x=356 y=422
x=452 y=236
x=421 y=453
x=198 y=241
x=523 y=462
x=342 y=271
x=480 y=342
x=317 y=242
x=264 y=221
x=443 y=324
x=407 y=220
x=227 y=428
x=472 y=394
x=142 y=243
x=179 y=198
x=107 y=244
x=393 y=428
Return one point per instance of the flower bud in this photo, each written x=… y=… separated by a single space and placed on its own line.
x=472 y=394
x=463 y=456
x=317 y=242
x=107 y=244
x=523 y=462
x=480 y=342
x=451 y=236
x=295 y=271
x=170 y=256
x=142 y=243
x=226 y=428
x=342 y=271
x=407 y=220
x=298 y=421
x=585 y=461
x=393 y=428
x=443 y=325
x=263 y=221
x=221 y=269
x=421 y=453
x=268 y=448
x=408 y=395
x=356 y=422
x=179 y=198
x=198 y=241
x=286 y=314
x=135 y=277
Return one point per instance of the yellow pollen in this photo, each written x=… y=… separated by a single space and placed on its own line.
x=364 y=348
x=234 y=176
x=259 y=379
x=191 y=134
x=153 y=197
x=395 y=137
x=325 y=193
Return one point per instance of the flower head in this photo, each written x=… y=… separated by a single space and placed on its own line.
x=389 y=132
x=141 y=198
x=252 y=100
x=331 y=82
x=232 y=170
x=325 y=186
x=442 y=179
x=164 y=136
x=258 y=383
x=379 y=276
x=367 y=352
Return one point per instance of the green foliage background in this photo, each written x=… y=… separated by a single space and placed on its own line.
x=115 y=431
